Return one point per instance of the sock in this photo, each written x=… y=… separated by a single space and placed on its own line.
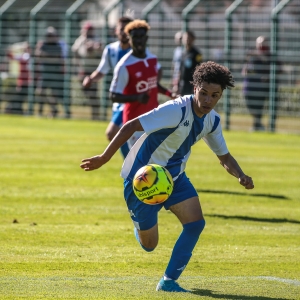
x=138 y=239
x=183 y=248
x=124 y=150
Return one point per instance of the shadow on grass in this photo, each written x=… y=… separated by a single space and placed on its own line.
x=281 y=197
x=245 y=218
x=209 y=293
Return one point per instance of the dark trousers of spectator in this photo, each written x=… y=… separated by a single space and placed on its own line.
x=255 y=105
x=50 y=91
x=15 y=105
x=93 y=100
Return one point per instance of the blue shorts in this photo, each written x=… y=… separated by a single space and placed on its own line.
x=144 y=216
x=117 y=117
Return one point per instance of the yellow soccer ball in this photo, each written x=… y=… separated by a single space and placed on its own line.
x=153 y=184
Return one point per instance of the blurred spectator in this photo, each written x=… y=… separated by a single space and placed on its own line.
x=64 y=48
x=16 y=105
x=87 y=50
x=177 y=54
x=51 y=67
x=256 y=86
x=190 y=58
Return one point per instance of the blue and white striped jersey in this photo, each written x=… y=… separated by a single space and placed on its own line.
x=112 y=53
x=170 y=131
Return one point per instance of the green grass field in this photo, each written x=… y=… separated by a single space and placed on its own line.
x=66 y=233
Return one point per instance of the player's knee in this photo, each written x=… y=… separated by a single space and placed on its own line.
x=148 y=244
x=149 y=248
x=194 y=228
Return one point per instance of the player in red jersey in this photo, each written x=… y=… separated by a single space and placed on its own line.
x=136 y=77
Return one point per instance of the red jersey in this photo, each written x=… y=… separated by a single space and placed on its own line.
x=133 y=75
x=23 y=78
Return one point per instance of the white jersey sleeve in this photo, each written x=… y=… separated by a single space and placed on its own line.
x=104 y=66
x=158 y=66
x=167 y=115
x=216 y=141
x=120 y=79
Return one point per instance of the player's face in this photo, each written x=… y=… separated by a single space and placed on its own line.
x=138 y=40
x=121 y=35
x=206 y=97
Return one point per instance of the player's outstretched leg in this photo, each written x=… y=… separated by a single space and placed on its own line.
x=181 y=255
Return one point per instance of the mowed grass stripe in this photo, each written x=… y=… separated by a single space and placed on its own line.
x=66 y=234
x=128 y=287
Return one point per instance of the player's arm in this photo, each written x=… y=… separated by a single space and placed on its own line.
x=233 y=168
x=127 y=130
x=121 y=98
x=162 y=90
x=95 y=76
x=102 y=69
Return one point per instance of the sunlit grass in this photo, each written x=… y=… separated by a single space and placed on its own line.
x=66 y=234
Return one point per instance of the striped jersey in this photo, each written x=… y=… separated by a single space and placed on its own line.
x=112 y=53
x=170 y=131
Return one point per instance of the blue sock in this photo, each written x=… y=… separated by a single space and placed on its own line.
x=183 y=248
x=124 y=150
x=138 y=239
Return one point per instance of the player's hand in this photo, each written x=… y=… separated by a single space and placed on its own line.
x=87 y=82
x=175 y=95
x=93 y=163
x=247 y=182
x=143 y=98
x=175 y=88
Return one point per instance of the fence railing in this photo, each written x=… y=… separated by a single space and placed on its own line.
x=225 y=32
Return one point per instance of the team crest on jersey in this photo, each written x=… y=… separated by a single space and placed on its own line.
x=186 y=123
x=142 y=86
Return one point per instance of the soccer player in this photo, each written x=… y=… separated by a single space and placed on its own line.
x=112 y=53
x=170 y=132
x=136 y=77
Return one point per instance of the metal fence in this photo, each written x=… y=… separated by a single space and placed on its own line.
x=225 y=31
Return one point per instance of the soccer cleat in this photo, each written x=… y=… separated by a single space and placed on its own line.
x=170 y=286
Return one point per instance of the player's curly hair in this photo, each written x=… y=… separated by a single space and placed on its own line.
x=135 y=25
x=212 y=72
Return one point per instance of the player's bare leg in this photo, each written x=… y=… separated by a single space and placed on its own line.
x=188 y=211
x=148 y=238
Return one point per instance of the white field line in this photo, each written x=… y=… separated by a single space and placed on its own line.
x=232 y=278
x=183 y=278
x=288 y=281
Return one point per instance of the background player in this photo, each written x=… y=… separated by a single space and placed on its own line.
x=167 y=141
x=136 y=77
x=112 y=53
